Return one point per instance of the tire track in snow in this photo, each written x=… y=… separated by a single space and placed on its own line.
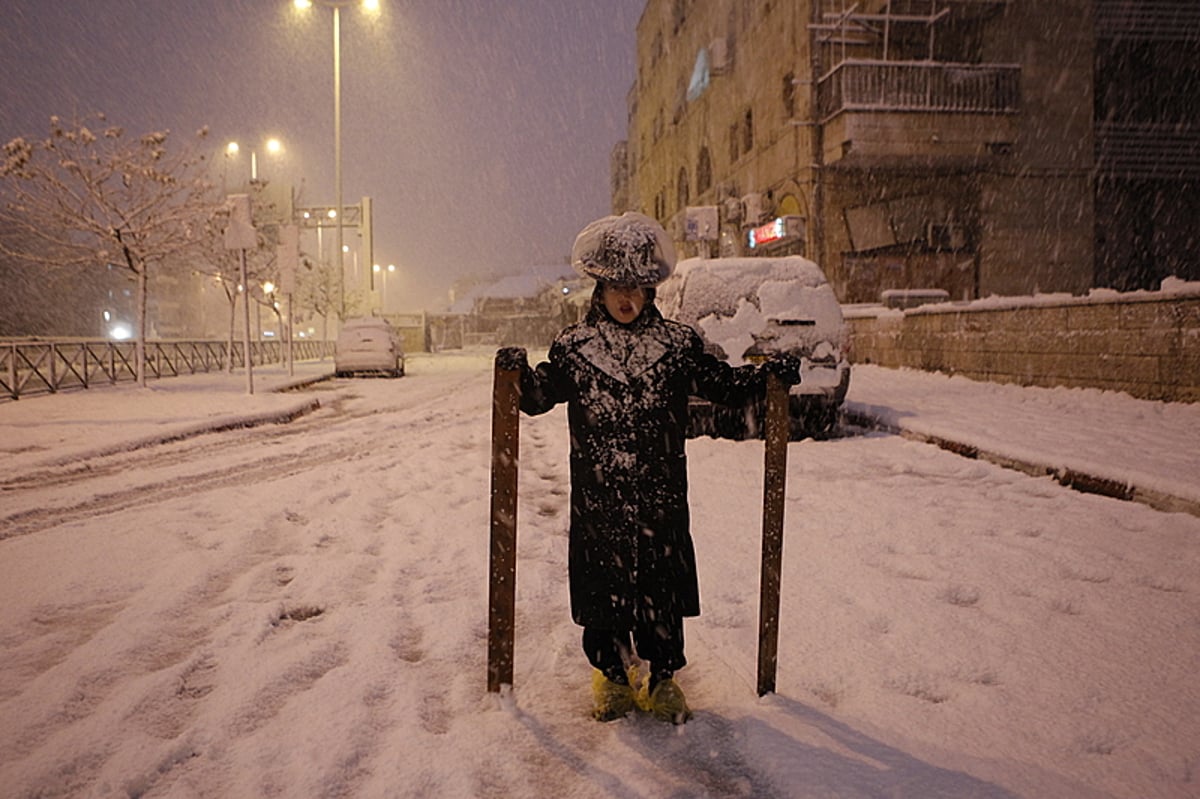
x=180 y=650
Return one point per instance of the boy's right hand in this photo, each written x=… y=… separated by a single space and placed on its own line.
x=511 y=358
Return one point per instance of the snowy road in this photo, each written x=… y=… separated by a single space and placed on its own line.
x=300 y=611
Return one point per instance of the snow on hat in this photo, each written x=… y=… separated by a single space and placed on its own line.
x=627 y=250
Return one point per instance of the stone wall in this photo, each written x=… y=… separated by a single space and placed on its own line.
x=1144 y=343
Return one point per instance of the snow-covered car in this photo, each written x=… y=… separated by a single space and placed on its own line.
x=368 y=345
x=745 y=309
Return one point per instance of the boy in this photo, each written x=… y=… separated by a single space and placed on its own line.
x=626 y=374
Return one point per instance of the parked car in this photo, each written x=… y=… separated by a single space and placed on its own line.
x=745 y=309
x=368 y=345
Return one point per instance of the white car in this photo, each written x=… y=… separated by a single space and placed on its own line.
x=368 y=345
x=745 y=309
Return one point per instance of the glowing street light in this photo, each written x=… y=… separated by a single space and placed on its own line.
x=383 y=273
x=273 y=146
x=370 y=6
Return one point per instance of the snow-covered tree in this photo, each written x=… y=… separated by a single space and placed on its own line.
x=319 y=291
x=88 y=194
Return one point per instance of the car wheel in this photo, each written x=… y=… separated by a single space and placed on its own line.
x=812 y=417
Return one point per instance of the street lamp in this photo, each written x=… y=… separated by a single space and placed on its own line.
x=273 y=146
x=383 y=292
x=337 y=6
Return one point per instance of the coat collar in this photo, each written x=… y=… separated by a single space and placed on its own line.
x=624 y=352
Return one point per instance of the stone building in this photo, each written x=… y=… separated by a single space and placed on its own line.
x=976 y=146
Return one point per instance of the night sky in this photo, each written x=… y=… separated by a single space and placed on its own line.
x=482 y=129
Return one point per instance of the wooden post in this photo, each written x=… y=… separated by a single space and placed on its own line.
x=774 y=480
x=502 y=591
x=12 y=373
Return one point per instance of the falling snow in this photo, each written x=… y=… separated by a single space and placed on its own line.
x=301 y=610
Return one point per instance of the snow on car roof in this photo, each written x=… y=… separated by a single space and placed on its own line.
x=731 y=300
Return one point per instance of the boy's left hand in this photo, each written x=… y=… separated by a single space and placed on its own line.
x=784 y=366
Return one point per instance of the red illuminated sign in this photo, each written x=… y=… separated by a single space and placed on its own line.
x=765 y=234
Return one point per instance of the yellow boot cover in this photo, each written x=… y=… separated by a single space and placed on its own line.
x=667 y=703
x=611 y=700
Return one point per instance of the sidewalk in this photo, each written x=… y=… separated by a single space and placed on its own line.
x=1103 y=442
x=52 y=429
x=1099 y=441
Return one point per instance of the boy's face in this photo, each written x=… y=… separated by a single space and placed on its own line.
x=624 y=303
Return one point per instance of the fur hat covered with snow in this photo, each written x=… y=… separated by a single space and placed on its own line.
x=627 y=250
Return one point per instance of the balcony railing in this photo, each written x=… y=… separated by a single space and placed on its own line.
x=39 y=367
x=929 y=86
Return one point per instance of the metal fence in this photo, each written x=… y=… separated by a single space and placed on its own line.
x=52 y=365
x=855 y=85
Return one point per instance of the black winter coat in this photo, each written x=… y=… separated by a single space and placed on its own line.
x=630 y=550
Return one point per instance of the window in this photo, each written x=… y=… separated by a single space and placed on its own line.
x=700 y=76
x=681 y=189
x=703 y=171
x=734 y=135
x=789 y=95
x=748 y=131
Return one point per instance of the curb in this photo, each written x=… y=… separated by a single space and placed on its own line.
x=282 y=416
x=1079 y=481
x=302 y=383
x=218 y=426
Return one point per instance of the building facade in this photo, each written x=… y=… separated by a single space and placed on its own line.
x=976 y=146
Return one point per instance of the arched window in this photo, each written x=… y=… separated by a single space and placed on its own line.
x=682 y=189
x=703 y=171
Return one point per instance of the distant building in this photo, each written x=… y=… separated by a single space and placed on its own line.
x=976 y=146
x=526 y=309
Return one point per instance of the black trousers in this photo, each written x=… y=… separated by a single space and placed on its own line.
x=659 y=641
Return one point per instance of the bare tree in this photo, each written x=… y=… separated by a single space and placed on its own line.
x=97 y=197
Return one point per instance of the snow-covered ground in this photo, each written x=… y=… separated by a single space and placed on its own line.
x=300 y=609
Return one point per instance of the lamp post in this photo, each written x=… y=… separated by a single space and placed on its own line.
x=337 y=6
x=268 y=290
x=273 y=146
x=383 y=289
